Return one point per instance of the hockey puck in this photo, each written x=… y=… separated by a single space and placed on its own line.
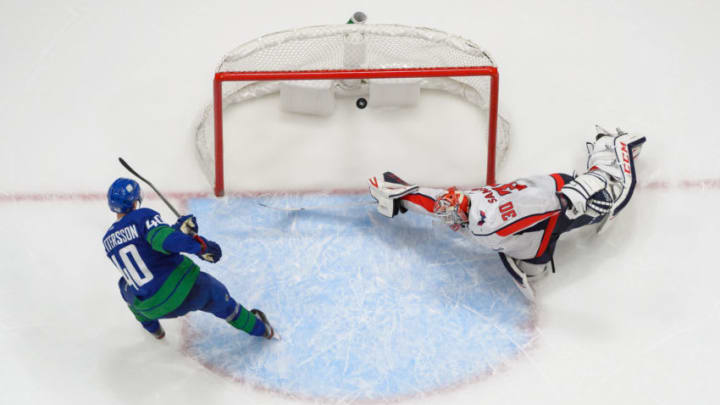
x=361 y=103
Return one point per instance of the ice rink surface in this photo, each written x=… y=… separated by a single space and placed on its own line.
x=367 y=308
x=630 y=317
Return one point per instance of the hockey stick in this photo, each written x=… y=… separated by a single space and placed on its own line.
x=191 y=232
x=131 y=170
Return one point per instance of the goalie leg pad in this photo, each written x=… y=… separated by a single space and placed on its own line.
x=533 y=272
x=610 y=181
x=589 y=194
x=518 y=276
x=627 y=148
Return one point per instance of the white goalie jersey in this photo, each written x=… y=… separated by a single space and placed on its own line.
x=522 y=220
x=516 y=218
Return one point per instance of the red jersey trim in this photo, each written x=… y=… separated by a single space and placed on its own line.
x=546 y=236
x=421 y=200
x=559 y=182
x=524 y=223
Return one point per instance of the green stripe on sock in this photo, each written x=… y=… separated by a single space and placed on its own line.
x=156 y=237
x=172 y=293
x=244 y=321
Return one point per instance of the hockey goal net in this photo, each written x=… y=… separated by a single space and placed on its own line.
x=348 y=59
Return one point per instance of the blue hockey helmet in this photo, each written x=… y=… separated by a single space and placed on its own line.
x=122 y=194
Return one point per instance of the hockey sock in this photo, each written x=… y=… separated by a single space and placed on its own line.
x=151 y=326
x=247 y=322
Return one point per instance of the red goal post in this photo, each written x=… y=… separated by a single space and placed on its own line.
x=397 y=61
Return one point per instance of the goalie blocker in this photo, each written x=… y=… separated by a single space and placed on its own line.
x=387 y=191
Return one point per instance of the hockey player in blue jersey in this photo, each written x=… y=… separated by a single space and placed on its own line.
x=157 y=281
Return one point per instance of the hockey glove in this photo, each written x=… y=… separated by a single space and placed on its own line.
x=210 y=251
x=186 y=224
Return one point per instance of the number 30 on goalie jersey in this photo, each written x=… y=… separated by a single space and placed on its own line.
x=498 y=213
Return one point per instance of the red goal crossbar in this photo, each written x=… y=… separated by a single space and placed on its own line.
x=221 y=77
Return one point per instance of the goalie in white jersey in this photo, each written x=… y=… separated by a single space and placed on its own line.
x=522 y=220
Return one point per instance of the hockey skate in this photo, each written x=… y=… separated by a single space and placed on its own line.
x=159 y=333
x=269 y=331
x=387 y=191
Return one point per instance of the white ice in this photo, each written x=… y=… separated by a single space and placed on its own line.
x=630 y=317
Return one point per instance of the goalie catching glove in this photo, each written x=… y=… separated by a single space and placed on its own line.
x=387 y=190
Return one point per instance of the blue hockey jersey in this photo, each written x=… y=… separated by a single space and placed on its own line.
x=146 y=251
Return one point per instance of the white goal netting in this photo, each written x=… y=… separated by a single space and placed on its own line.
x=357 y=47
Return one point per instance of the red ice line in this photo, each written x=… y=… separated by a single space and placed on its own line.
x=701 y=184
x=47 y=197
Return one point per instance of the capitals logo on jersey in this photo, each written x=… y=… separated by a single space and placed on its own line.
x=481 y=222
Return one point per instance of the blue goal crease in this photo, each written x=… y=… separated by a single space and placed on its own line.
x=367 y=306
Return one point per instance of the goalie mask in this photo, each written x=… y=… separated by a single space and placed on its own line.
x=452 y=208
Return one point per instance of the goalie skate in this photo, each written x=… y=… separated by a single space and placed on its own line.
x=627 y=148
